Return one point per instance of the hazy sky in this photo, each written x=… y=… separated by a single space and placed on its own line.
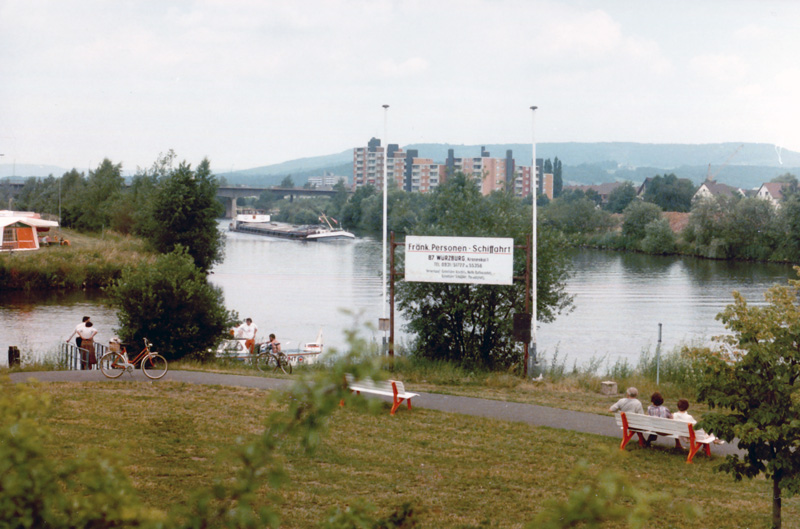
x=249 y=83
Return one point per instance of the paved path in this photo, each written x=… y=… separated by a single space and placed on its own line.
x=493 y=409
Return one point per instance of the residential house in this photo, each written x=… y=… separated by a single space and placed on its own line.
x=772 y=191
x=712 y=189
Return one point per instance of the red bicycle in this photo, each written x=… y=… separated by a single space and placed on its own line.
x=114 y=363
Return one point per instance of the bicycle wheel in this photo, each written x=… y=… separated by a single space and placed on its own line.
x=284 y=364
x=112 y=365
x=154 y=366
x=265 y=362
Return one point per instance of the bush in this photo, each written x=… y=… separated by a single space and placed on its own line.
x=171 y=304
x=659 y=238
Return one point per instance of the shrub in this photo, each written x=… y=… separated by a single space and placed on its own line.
x=172 y=305
x=659 y=238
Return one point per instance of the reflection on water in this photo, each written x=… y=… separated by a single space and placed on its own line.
x=36 y=322
x=294 y=288
x=620 y=298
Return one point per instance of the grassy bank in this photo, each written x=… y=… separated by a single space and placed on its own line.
x=461 y=472
x=90 y=261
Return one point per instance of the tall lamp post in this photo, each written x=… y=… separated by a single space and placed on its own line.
x=532 y=358
x=385 y=217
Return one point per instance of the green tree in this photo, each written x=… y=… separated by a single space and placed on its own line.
x=338 y=200
x=670 y=193
x=756 y=388
x=352 y=212
x=706 y=227
x=183 y=212
x=171 y=304
x=558 y=178
x=104 y=188
x=620 y=197
x=659 y=238
x=471 y=324
x=594 y=196
x=789 y=228
x=750 y=229
x=576 y=216
x=637 y=215
x=287 y=181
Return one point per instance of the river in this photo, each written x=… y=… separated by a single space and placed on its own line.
x=295 y=288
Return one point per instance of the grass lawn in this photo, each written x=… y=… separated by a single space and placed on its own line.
x=461 y=471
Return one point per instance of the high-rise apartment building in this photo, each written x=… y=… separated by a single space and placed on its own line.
x=414 y=174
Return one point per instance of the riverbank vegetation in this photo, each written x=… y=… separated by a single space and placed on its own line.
x=720 y=227
x=167 y=218
x=90 y=261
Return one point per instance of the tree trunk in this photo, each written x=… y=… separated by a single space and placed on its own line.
x=776 y=503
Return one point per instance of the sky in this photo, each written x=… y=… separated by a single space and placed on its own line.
x=248 y=83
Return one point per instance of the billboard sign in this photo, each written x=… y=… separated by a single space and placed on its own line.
x=472 y=260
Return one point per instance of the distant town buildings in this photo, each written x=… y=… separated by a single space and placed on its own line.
x=412 y=173
x=326 y=180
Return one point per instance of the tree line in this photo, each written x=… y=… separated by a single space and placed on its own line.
x=173 y=207
x=721 y=227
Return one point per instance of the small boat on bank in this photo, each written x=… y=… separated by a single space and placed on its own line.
x=321 y=232
x=234 y=349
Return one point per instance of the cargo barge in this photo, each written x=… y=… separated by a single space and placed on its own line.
x=292 y=231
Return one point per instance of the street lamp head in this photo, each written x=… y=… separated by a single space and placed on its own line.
x=534 y=108
x=385 y=106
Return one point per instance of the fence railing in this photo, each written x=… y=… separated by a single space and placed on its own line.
x=71 y=357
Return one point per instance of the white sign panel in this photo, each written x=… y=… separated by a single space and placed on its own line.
x=474 y=260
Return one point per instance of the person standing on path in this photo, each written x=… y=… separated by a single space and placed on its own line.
x=629 y=404
x=248 y=331
x=87 y=334
x=78 y=327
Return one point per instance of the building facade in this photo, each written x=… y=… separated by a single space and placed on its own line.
x=413 y=173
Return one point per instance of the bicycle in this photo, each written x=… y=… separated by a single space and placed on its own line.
x=274 y=360
x=153 y=365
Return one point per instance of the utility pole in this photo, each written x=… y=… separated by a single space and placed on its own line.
x=533 y=360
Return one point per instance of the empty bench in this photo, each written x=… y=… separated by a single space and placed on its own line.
x=645 y=425
x=386 y=388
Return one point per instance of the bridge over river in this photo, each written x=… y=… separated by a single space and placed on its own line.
x=230 y=194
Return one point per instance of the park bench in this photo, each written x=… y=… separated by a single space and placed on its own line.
x=386 y=388
x=645 y=425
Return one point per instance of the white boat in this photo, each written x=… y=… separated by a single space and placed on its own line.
x=315 y=346
x=234 y=349
x=328 y=233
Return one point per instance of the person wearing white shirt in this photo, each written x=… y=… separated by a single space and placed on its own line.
x=248 y=330
x=78 y=328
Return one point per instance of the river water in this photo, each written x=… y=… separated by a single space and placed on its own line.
x=295 y=288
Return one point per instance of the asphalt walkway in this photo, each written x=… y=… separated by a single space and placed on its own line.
x=509 y=411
